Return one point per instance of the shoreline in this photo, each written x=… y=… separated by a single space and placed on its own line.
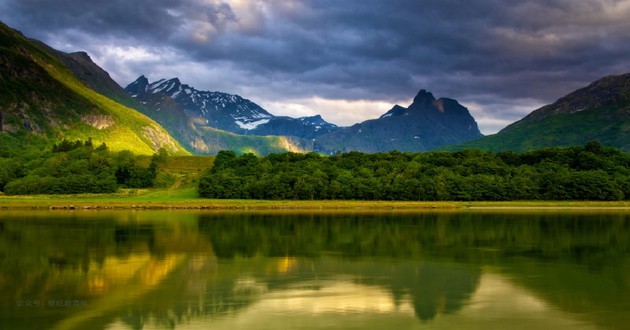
x=232 y=205
x=188 y=199
x=122 y=203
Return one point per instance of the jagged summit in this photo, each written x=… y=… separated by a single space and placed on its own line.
x=171 y=87
x=426 y=124
x=139 y=86
x=424 y=98
x=220 y=110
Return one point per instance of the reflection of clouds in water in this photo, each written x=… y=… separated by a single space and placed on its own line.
x=334 y=297
x=165 y=271
x=248 y=285
x=344 y=304
x=498 y=301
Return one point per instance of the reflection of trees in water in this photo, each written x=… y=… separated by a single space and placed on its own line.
x=433 y=288
x=472 y=238
x=431 y=260
x=129 y=236
x=456 y=236
x=68 y=257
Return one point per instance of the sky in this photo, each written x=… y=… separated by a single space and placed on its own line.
x=348 y=60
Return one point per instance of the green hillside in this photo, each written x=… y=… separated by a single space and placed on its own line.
x=564 y=130
x=211 y=140
x=42 y=102
x=598 y=112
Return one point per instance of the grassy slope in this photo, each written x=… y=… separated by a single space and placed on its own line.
x=49 y=90
x=610 y=126
x=184 y=170
x=217 y=140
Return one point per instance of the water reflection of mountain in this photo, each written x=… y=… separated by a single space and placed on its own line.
x=170 y=267
x=576 y=261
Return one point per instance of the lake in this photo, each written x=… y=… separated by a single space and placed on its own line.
x=493 y=269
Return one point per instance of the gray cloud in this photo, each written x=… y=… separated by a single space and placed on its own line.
x=497 y=55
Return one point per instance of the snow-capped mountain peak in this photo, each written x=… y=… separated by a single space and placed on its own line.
x=221 y=110
x=225 y=111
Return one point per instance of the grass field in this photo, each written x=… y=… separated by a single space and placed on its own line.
x=180 y=171
x=188 y=199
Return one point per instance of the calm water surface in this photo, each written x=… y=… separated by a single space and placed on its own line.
x=194 y=270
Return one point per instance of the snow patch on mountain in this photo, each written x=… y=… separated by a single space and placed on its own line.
x=251 y=125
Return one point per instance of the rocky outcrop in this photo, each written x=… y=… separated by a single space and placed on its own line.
x=98 y=121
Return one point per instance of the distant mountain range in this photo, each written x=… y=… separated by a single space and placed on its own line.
x=47 y=95
x=427 y=122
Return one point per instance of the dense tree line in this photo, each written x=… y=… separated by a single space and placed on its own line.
x=591 y=172
x=76 y=167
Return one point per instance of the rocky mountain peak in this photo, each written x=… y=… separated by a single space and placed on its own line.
x=424 y=98
x=139 y=86
x=397 y=110
x=164 y=86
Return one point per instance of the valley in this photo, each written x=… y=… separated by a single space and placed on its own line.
x=49 y=96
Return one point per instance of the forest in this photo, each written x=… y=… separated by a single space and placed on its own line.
x=74 y=168
x=589 y=172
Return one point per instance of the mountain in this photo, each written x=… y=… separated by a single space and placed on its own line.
x=302 y=127
x=426 y=124
x=202 y=140
x=599 y=111
x=224 y=111
x=219 y=110
x=42 y=102
x=198 y=119
x=82 y=66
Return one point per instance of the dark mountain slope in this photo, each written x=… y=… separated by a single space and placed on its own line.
x=426 y=124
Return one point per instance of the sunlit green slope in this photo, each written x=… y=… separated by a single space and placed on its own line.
x=41 y=102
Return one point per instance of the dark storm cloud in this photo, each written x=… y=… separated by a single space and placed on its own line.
x=487 y=53
x=144 y=21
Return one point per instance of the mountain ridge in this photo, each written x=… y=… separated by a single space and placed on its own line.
x=433 y=122
x=192 y=115
x=42 y=100
x=49 y=95
x=426 y=124
x=599 y=111
x=224 y=111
